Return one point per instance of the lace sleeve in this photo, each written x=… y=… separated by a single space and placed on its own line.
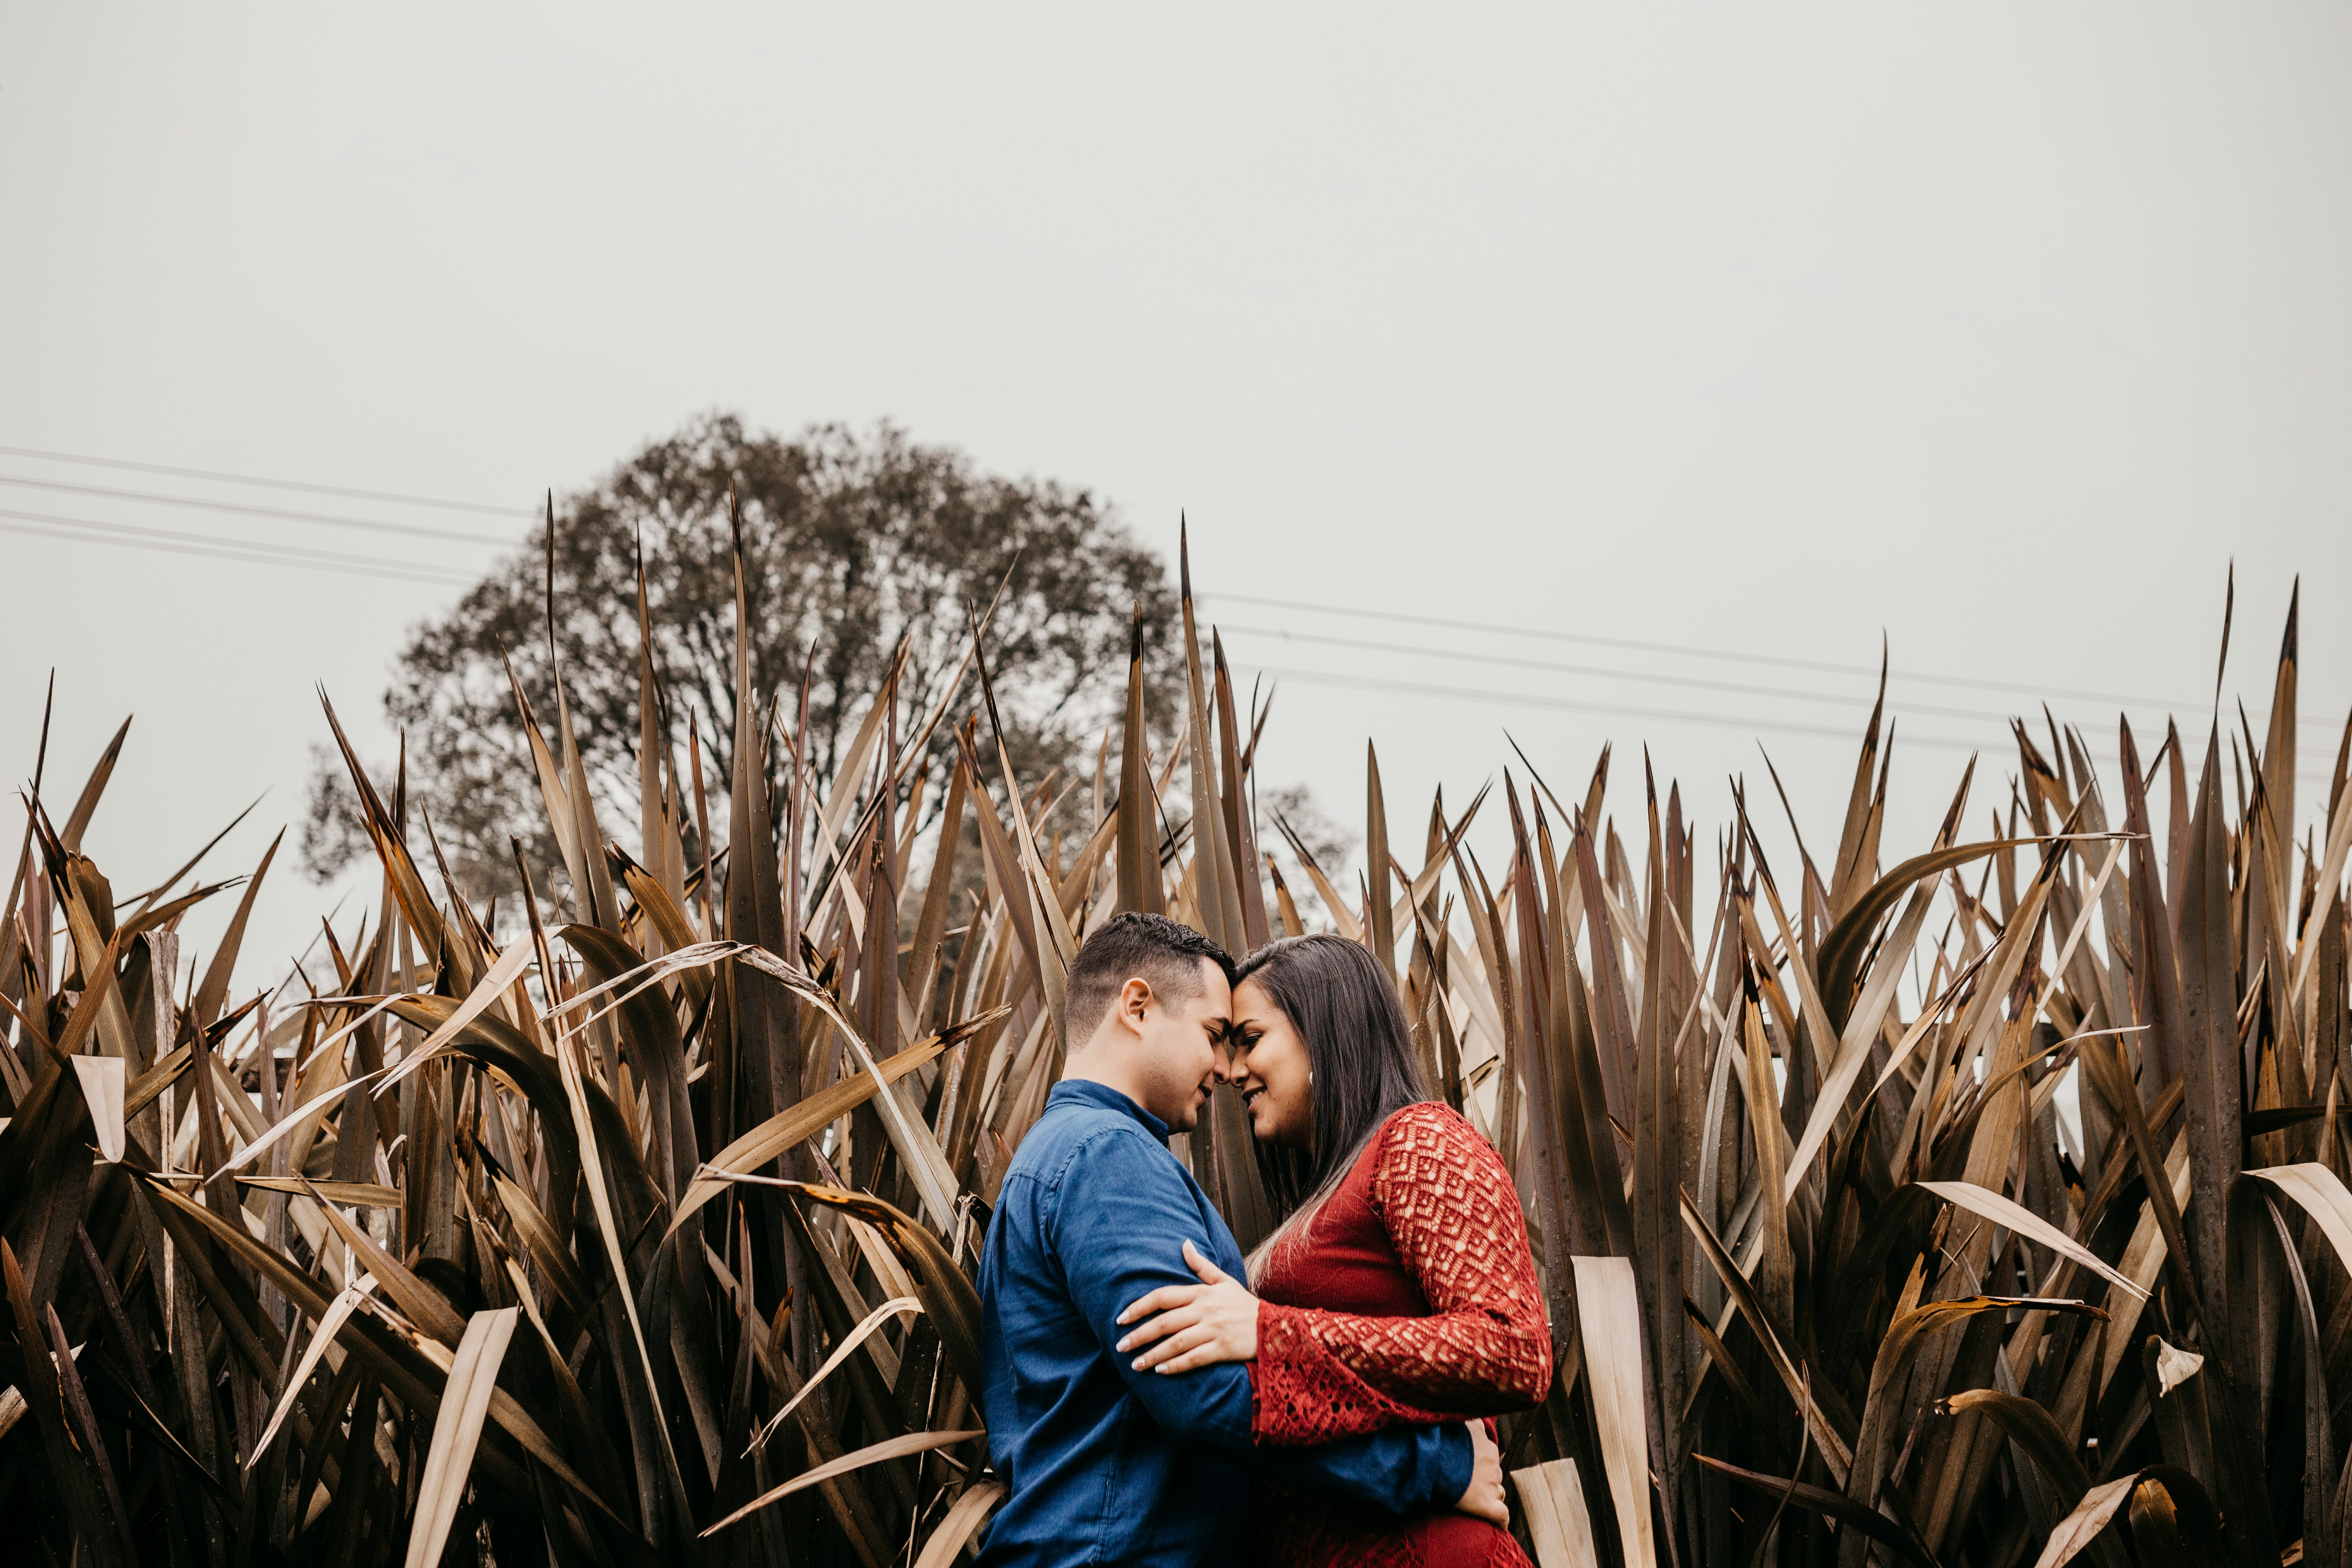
x=1450 y=1211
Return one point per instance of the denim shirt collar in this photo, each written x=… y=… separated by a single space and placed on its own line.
x=1085 y=1091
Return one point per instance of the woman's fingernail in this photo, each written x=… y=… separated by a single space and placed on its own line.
x=1120 y=1346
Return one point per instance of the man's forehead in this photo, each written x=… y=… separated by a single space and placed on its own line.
x=1215 y=997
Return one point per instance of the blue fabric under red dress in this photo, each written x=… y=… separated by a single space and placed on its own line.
x=1409 y=1296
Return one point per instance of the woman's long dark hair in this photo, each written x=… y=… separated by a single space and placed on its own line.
x=1359 y=1051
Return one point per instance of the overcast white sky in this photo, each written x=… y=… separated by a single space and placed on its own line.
x=1999 y=329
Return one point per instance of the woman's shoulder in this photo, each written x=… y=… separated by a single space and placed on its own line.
x=1425 y=1141
x=1428 y=1121
x=1438 y=1178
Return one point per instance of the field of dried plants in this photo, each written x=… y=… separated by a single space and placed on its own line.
x=639 y=1225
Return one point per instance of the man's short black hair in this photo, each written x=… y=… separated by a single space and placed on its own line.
x=1164 y=954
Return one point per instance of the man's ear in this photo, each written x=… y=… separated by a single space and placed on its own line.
x=1135 y=999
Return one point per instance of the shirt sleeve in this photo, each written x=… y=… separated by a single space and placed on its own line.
x=1122 y=1213
x=1448 y=1206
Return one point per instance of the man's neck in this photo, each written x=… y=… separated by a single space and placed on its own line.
x=1094 y=1065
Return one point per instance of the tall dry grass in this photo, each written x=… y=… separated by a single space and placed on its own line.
x=648 y=1234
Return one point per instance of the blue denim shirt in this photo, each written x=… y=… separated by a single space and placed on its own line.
x=1105 y=1464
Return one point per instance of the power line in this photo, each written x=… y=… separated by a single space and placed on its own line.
x=1684 y=651
x=1693 y=681
x=202 y=503
x=194 y=544
x=271 y=484
x=255 y=552
x=1523 y=699
x=182 y=545
x=81 y=530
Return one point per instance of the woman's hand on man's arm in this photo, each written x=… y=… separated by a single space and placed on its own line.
x=1196 y=1325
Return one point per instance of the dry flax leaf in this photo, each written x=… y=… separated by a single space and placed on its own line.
x=511 y=963
x=2331 y=878
x=2322 y=1196
x=894 y=1449
x=888 y=1271
x=1551 y=1498
x=1854 y=1049
x=810 y=1117
x=850 y=1341
x=592 y=1166
x=651 y=972
x=2081 y=1527
x=315 y=1107
x=961 y=1521
x=1609 y=1316
x=2032 y=1430
x=948 y=1295
x=926 y=1163
x=2145 y=1256
x=2175 y=1366
x=101 y=1086
x=456 y=1429
x=345 y=1303
x=1992 y=1205
x=1836 y=1451
x=351 y=1194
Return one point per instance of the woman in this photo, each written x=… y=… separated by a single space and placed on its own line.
x=1398 y=1287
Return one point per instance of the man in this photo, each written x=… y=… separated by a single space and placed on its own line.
x=1105 y=1464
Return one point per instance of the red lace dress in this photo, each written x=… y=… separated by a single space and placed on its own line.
x=1411 y=1298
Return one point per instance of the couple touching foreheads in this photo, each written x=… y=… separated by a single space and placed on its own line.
x=1151 y=1396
